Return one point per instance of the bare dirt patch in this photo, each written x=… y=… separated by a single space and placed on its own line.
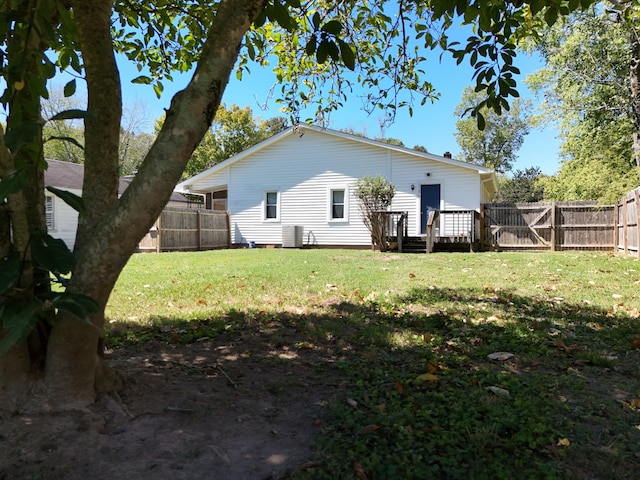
x=213 y=409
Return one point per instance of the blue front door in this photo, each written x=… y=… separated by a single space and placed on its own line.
x=429 y=200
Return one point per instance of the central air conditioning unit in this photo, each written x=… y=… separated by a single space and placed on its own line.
x=292 y=236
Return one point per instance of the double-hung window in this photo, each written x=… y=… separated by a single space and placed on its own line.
x=338 y=204
x=272 y=205
x=48 y=206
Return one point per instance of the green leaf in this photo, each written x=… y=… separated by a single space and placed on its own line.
x=73 y=114
x=551 y=15
x=52 y=254
x=12 y=183
x=316 y=20
x=76 y=304
x=17 y=320
x=348 y=56
x=311 y=45
x=334 y=27
x=322 y=52
x=282 y=16
x=158 y=88
x=143 y=80
x=20 y=135
x=70 y=88
x=66 y=139
x=74 y=201
x=10 y=270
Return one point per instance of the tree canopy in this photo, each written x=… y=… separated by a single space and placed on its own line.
x=314 y=46
x=524 y=186
x=586 y=88
x=495 y=146
x=233 y=130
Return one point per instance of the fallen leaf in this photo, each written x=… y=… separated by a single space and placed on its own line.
x=500 y=356
x=617 y=296
x=501 y=392
x=426 y=377
x=635 y=343
x=564 y=442
x=431 y=368
x=369 y=429
x=201 y=301
x=399 y=387
x=380 y=408
x=352 y=402
x=567 y=348
x=359 y=471
x=635 y=403
x=412 y=275
x=426 y=337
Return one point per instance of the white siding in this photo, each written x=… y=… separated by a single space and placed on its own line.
x=459 y=187
x=304 y=168
x=65 y=220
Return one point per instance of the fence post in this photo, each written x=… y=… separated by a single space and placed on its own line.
x=228 y=219
x=199 y=229
x=637 y=200
x=481 y=233
x=553 y=226
x=616 y=232
x=625 y=226
x=159 y=238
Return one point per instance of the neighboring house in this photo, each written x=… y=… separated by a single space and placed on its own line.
x=62 y=220
x=303 y=179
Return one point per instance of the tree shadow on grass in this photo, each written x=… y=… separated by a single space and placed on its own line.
x=415 y=393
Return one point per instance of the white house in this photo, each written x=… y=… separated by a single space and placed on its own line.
x=62 y=220
x=301 y=180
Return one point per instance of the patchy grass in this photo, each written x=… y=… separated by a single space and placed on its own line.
x=413 y=336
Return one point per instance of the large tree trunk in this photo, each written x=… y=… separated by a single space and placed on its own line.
x=23 y=214
x=634 y=87
x=109 y=234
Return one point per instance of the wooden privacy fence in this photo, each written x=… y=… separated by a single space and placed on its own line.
x=549 y=226
x=188 y=229
x=627 y=219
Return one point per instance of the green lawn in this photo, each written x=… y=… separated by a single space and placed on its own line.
x=412 y=335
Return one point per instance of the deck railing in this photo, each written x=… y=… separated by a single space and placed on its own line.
x=397 y=226
x=459 y=226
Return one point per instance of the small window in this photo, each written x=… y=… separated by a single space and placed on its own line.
x=337 y=204
x=48 y=206
x=271 y=206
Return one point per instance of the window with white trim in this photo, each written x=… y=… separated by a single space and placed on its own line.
x=48 y=207
x=338 y=204
x=272 y=205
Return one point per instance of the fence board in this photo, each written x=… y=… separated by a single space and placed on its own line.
x=549 y=226
x=627 y=217
x=180 y=229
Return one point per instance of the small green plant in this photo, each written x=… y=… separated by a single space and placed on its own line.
x=374 y=196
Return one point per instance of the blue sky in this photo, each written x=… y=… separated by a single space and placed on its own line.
x=432 y=125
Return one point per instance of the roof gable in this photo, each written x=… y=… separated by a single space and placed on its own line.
x=301 y=129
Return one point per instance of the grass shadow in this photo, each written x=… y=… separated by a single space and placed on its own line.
x=423 y=397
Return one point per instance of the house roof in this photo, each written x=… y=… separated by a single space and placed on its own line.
x=70 y=175
x=300 y=130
